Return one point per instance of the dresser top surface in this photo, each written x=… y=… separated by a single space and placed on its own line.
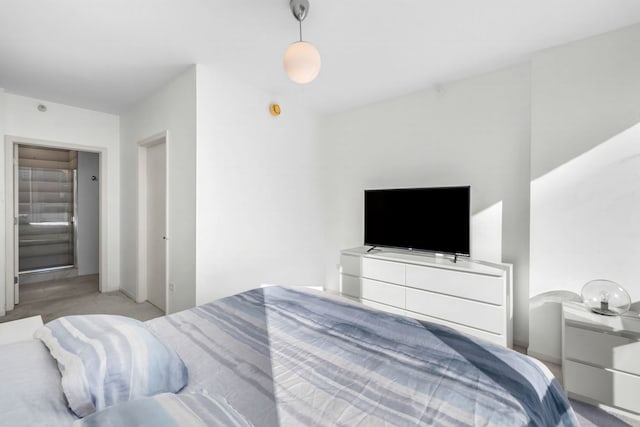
x=430 y=260
x=577 y=314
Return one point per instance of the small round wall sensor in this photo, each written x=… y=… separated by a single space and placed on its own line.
x=274 y=109
x=42 y=108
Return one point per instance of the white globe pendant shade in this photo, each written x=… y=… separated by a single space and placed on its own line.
x=302 y=62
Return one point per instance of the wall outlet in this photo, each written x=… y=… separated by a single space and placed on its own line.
x=172 y=287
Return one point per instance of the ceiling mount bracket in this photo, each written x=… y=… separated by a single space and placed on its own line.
x=299 y=8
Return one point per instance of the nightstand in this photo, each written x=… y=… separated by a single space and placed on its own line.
x=601 y=357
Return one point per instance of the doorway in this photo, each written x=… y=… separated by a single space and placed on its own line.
x=51 y=233
x=152 y=221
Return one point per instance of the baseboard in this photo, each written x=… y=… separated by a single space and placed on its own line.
x=130 y=295
x=523 y=344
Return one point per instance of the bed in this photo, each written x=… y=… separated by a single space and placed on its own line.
x=281 y=356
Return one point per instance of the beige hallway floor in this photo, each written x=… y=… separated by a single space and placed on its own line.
x=77 y=295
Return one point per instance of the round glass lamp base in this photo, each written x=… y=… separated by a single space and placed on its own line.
x=605 y=297
x=605 y=312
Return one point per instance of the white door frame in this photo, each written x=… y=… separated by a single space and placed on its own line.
x=142 y=282
x=10 y=142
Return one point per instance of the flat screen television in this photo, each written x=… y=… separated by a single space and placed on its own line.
x=433 y=219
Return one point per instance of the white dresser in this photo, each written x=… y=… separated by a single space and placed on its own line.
x=471 y=296
x=601 y=357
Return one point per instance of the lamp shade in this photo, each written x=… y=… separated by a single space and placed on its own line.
x=302 y=62
x=605 y=297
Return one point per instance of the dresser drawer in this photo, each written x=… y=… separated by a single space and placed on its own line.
x=479 y=287
x=487 y=336
x=384 y=293
x=385 y=271
x=601 y=349
x=608 y=387
x=478 y=315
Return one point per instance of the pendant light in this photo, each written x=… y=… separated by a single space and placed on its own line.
x=301 y=59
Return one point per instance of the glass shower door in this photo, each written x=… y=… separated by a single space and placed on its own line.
x=45 y=218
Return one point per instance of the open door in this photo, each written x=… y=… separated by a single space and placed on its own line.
x=157 y=225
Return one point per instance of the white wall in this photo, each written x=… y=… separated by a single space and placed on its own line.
x=82 y=129
x=259 y=217
x=475 y=131
x=171 y=109
x=88 y=213
x=2 y=206
x=585 y=175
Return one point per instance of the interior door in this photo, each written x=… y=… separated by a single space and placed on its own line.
x=156 y=225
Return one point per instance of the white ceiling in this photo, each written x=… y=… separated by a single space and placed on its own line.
x=108 y=55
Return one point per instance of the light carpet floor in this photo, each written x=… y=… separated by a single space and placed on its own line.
x=77 y=295
x=590 y=416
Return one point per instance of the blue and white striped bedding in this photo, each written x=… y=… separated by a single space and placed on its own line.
x=168 y=410
x=105 y=360
x=288 y=357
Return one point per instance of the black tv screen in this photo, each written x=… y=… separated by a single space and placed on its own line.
x=428 y=219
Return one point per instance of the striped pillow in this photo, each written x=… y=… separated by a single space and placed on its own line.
x=105 y=360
